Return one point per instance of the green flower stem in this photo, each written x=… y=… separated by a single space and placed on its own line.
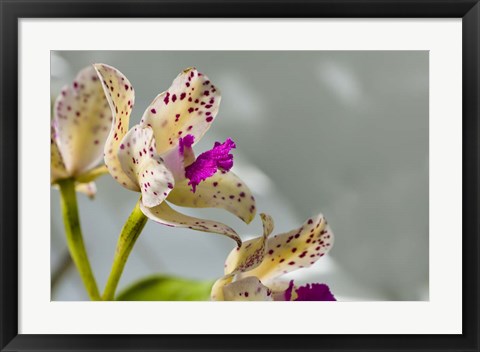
x=74 y=236
x=130 y=232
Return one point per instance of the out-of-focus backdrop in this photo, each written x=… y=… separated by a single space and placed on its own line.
x=344 y=133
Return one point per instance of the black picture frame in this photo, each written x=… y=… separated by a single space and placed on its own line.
x=11 y=11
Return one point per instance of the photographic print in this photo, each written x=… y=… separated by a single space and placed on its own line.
x=239 y=175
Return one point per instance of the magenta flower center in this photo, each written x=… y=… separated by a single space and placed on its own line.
x=209 y=162
x=314 y=292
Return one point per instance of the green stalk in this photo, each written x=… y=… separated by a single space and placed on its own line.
x=74 y=236
x=130 y=232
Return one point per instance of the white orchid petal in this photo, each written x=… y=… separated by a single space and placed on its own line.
x=189 y=106
x=247 y=289
x=89 y=189
x=296 y=249
x=141 y=163
x=244 y=258
x=82 y=121
x=251 y=253
x=121 y=97
x=216 y=294
x=222 y=190
x=165 y=215
x=57 y=167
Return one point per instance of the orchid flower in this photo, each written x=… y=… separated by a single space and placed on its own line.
x=156 y=157
x=252 y=271
x=79 y=129
x=80 y=126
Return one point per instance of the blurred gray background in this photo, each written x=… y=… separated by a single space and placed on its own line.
x=344 y=133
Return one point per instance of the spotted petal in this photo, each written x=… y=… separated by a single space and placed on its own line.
x=296 y=249
x=223 y=190
x=141 y=163
x=189 y=106
x=82 y=120
x=121 y=97
x=57 y=167
x=252 y=252
x=165 y=215
x=247 y=289
x=243 y=258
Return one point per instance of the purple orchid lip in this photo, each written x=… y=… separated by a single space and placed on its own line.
x=209 y=162
x=288 y=291
x=314 y=292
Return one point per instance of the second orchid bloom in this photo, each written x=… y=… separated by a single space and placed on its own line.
x=156 y=157
x=253 y=271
